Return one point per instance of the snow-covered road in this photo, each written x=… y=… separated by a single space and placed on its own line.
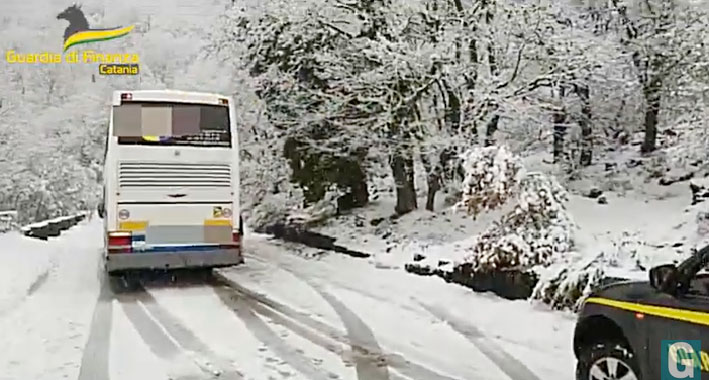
x=279 y=316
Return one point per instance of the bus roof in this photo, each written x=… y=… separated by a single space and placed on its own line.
x=170 y=96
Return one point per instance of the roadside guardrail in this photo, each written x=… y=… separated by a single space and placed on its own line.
x=53 y=227
x=8 y=220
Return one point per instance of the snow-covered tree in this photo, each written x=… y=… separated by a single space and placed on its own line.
x=534 y=231
x=492 y=175
x=538 y=229
x=665 y=41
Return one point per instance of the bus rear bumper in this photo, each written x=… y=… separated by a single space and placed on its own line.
x=173 y=260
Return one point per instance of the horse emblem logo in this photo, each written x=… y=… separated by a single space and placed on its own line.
x=79 y=32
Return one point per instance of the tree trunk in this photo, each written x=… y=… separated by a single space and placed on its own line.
x=559 y=121
x=473 y=56
x=559 y=127
x=585 y=123
x=352 y=179
x=653 y=99
x=38 y=211
x=491 y=129
x=495 y=72
x=402 y=167
x=433 y=181
x=559 y=134
x=452 y=114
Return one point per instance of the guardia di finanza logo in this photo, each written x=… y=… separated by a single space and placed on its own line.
x=79 y=32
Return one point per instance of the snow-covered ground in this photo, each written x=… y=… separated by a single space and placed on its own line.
x=283 y=317
x=441 y=327
x=53 y=286
x=642 y=224
x=26 y=262
x=295 y=313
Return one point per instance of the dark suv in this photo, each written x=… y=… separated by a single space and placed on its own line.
x=621 y=326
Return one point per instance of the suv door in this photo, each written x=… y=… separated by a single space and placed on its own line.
x=685 y=317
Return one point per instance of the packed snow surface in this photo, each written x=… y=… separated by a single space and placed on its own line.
x=298 y=318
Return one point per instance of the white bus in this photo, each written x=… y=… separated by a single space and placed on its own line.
x=171 y=182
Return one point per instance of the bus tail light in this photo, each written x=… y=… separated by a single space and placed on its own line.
x=119 y=242
x=126 y=96
x=223 y=101
x=236 y=237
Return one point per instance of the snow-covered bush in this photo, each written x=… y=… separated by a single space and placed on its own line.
x=571 y=278
x=491 y=177
x=537 y=230
x=565 y=285
x=533 y=232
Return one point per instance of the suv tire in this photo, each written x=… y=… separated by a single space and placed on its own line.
x=601 y=357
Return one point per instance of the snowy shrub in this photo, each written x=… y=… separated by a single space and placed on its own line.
x=537 y=230
x=491 y=175
x=567 y=285
x=273 y=208
x=570 y=279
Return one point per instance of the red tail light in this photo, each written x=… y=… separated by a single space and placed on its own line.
x=126 y=96
x=235 y=241
x=119 y=242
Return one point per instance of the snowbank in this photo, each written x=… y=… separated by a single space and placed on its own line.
x=24 y=262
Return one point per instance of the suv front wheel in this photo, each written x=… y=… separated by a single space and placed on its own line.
x=607 y=361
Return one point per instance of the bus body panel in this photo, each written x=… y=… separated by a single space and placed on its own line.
x=176 y=224
x=187 y=259
x=176 y=174
x=173 y=206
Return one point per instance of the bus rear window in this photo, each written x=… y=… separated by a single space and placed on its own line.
x=172 y=124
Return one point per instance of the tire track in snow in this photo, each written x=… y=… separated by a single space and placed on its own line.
x=331 y=344
x=38 y=282
x=267 y=336
x=184 y=336
x=151 y=333
x=94 y=362
x=371 y=363
x=303 y=273
x=512 y=367
x=398 y=362
x=159 y=342
x=272 y=308
x=410 y=369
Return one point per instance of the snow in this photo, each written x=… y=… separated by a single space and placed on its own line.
x=391 y=304
x=48 y=290
x=25 y=261
x=130 y=358
x=52 y=322
x=227 y=335
x=491 y=174
x=642 y=225
x=328 y=299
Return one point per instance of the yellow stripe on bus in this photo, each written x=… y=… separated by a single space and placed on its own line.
x=659 y=311
x=217 y=222
x=133 y=226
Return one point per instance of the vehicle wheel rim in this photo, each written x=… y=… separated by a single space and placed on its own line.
x=610 y=368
